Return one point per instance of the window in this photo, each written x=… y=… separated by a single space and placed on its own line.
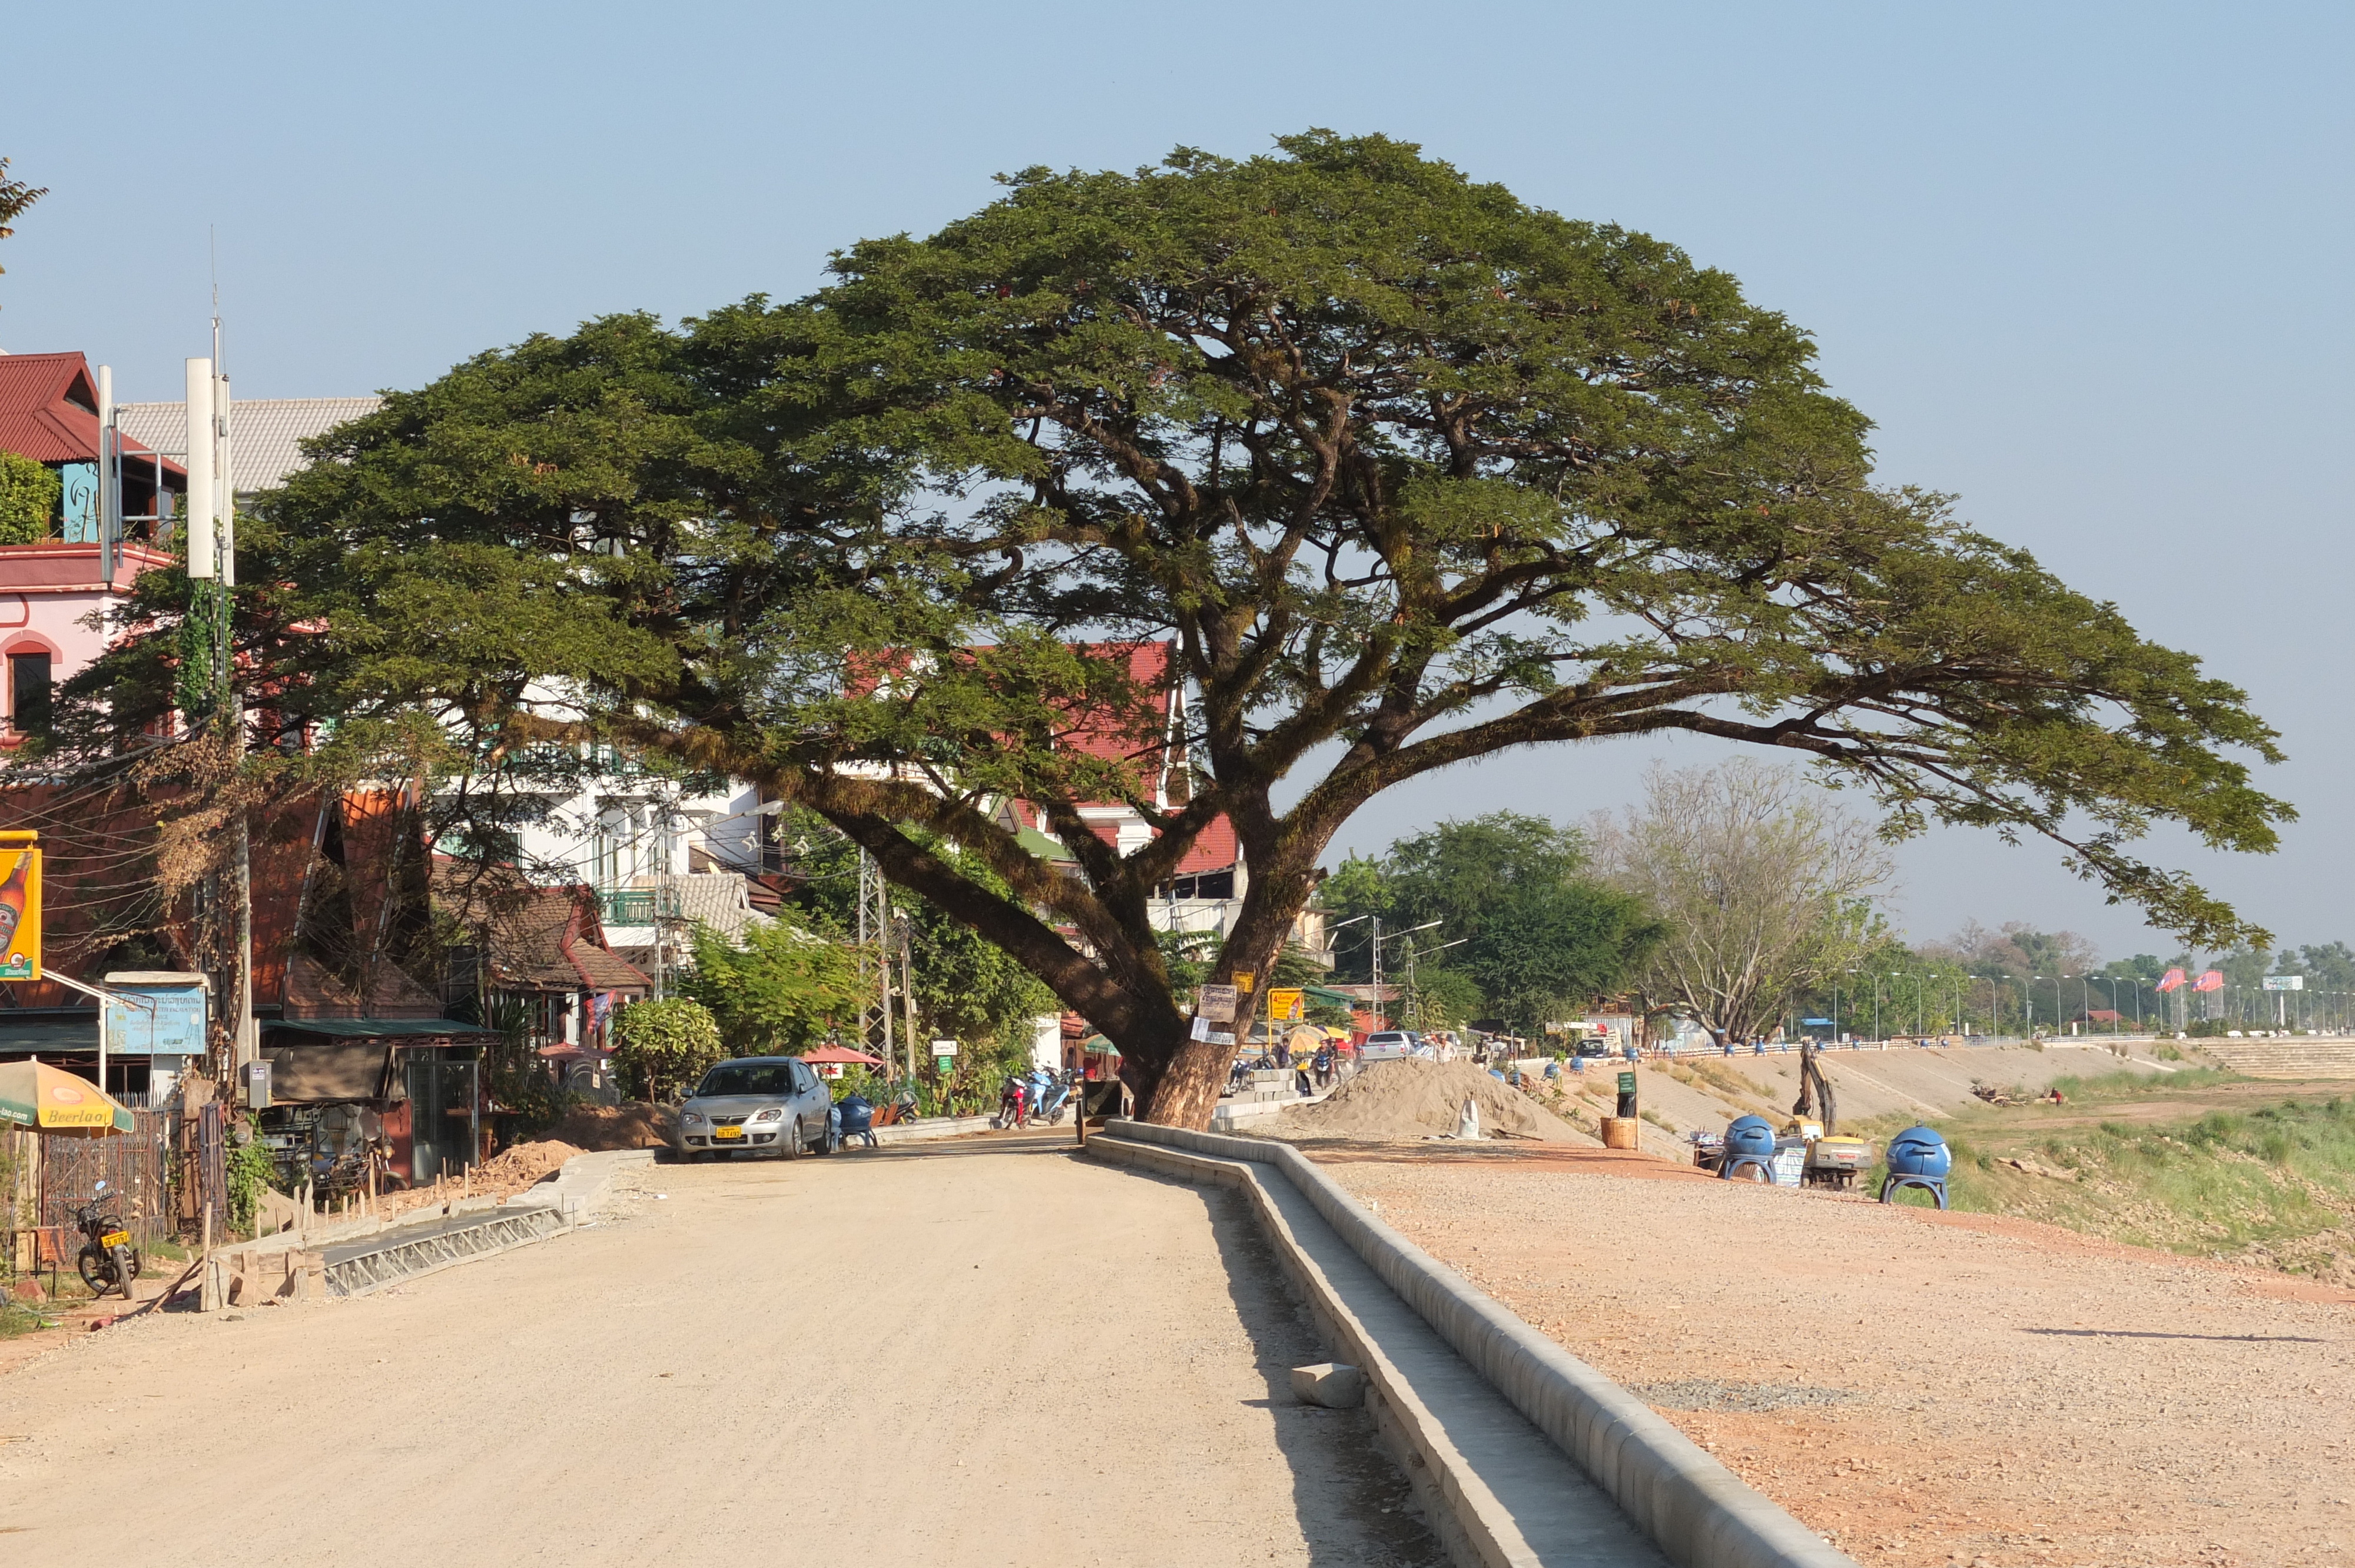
x=28 y=693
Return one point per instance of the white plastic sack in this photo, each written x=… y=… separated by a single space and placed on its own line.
x=1467 y=1125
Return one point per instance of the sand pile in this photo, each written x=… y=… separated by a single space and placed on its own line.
x=521 y=1166
x=635 y=1125
x=1395 y=1101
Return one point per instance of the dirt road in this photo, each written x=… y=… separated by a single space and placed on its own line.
x=978 y=1353
x=1926 y=1389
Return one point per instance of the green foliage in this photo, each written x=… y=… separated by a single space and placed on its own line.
x=661 y=1048
x=781 y=992
x=248 y=1171
x=15 y=196
x=30 y=494
x=1540 y=937
x=967 y=989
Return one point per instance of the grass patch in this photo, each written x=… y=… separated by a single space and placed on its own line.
x=2125 y=1084
x=2275 y=1184
x=16 y=1317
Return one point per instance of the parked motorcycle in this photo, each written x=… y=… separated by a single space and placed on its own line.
x=1013 y=1104
x=107 y=1261
x=1053 y=1096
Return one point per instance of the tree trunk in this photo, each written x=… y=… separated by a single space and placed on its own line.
x=1187 y=1090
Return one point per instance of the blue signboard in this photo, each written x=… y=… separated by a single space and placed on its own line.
x=80 y=501
x=156 y=1021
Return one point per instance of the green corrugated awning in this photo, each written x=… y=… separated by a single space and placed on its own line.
x=377 y=1028
x=1040 y=844
x=1331 y=998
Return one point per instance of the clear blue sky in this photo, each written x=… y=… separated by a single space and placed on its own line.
x=2087 y=265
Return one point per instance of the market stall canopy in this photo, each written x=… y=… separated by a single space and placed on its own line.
x=1097 y=1045
x=50 y=1100
x=841 y=1053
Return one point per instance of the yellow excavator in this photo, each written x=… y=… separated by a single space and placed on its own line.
x=1832 y=1160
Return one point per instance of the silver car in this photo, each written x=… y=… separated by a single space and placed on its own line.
x=757 y=1105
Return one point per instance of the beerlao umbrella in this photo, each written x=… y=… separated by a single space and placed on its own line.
x=48 y=1099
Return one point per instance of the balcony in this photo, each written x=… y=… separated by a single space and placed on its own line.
x=636 y=906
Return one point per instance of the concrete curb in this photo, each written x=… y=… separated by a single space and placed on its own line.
x=1474 y=1526
x=579 y=1182
x=1701 y=1514
x=925 y=1132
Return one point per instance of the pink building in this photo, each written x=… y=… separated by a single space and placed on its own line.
x=48 y=412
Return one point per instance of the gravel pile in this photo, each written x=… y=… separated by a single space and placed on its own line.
x=1396 y=1101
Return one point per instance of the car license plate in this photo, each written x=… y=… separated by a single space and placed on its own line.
x=727 y=1132
x=115 y=1239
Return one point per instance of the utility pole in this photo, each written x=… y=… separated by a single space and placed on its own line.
x=902 y=929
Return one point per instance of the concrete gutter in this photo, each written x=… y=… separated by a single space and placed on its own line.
x=937 y=1127
x=1699 y=1512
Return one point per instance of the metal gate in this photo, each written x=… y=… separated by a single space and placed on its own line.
x=444 y=1118
x=132 y=1164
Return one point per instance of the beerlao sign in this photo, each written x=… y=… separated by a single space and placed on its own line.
x=20 y=906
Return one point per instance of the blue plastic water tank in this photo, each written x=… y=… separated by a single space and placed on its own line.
x=1920 y=1151
x=1750 y=1135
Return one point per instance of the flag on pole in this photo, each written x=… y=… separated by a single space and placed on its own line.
x=2212 y=980
x=2170 y=980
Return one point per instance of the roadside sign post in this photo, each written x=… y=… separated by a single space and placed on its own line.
x=1627 y=1093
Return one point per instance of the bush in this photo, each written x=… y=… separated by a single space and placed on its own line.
x=29 y=496
x=250 y=1170
x=662 y=1047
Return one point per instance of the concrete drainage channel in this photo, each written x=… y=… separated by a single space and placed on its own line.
x=1518 y=1453
x=357 y=1268
x=354 y=1259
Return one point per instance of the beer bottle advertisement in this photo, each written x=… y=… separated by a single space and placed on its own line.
x=20 y=914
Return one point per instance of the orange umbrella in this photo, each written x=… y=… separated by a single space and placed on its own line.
x=48 y=1099
x=840 y=1053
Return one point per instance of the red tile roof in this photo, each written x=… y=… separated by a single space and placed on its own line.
x=48 y=411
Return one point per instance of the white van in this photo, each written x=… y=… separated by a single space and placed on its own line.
x=1390 y=1044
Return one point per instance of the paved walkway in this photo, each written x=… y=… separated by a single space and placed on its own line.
x=984 y=1351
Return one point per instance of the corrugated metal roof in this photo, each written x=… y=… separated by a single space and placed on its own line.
x=374 y=1028
x=265 y=434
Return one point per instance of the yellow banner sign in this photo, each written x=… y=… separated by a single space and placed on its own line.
x=1285 y=1003
x=20 y=908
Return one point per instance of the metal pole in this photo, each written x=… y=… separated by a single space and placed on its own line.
x=907 y=993
x=883 y=943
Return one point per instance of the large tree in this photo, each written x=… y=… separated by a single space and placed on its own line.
x=1406 y=472
x=1764 y=884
